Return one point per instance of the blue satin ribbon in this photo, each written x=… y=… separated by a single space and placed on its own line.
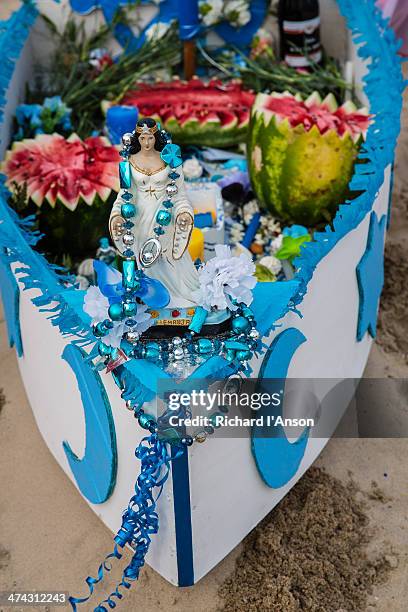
x=152 y=292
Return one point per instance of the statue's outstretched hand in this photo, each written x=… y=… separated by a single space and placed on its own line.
x=182 y=232
x=116 y=228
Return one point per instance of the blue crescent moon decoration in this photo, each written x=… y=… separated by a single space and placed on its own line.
x=276 y=458
x=370 y=277
x=171 y=10
x=95 y=473
x=10 y=295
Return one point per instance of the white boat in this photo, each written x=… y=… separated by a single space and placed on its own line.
x=217 y=491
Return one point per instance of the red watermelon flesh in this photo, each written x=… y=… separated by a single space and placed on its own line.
x=213 y=113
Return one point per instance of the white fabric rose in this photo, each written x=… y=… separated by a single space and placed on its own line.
x=96 y=305
x=225 y=278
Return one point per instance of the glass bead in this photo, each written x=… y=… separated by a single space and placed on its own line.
x=129 y=308
x=127 y=196
x=128 y=253
x=168 y=204
x=115 y=311
x=187 y=440
x=159 y=231
x=128 y=210
x=163 y=217
x=240 y=324
x=204 y=345
x=200 y=437
x=104 y=350
x=171 y=189
x=128 y=239
x=173 y=175
x=145 y=420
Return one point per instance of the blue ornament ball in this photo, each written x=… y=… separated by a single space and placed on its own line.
x=240 y=325
x=115 y=311
x=163 y=217
x=128 y=210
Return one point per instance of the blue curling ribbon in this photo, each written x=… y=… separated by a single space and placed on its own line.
x=139 y=521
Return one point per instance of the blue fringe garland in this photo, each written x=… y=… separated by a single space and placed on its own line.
x=13 y=35
x=383 y=86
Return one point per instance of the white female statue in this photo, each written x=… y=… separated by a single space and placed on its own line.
x=158 y=226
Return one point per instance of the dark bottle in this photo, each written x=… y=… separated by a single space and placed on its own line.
x=299 y=25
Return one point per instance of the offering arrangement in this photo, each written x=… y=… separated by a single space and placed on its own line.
x=191 y=203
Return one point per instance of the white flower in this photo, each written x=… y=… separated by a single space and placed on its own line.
x=251 y=207
x=211 y=11
x=115 y=334
x=96 y=305
x=272 y=263
x=192 y=168
x=237 y=13
x=225 y=278
x=259 y=239
x=157 y=30
x=276 y=243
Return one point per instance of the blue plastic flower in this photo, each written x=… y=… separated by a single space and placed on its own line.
x=295 y=231
x=171 y=155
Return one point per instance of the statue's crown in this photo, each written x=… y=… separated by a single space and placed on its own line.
x=145 y=129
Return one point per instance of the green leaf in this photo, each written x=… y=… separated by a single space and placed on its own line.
x=291 y=247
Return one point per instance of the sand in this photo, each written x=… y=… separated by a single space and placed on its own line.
x=50 y=539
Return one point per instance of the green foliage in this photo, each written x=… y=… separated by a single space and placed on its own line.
x=82 y=89
x=18 y=199
x=265 y=73
x=75 y=234
x=291 y=247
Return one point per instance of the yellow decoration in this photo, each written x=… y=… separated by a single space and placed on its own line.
x=154 y=314
x=191 y=312
x=196 y=246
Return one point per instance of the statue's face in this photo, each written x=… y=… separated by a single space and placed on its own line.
x=147 y=141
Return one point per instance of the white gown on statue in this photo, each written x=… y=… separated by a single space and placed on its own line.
x=179 y=276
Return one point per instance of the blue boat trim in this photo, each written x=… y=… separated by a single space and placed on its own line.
x=182 y=516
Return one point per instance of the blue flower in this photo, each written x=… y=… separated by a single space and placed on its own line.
x=295 y=231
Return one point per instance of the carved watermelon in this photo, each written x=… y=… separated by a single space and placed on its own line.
x=212 y=114
x=76 y=177
x=301 y=153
